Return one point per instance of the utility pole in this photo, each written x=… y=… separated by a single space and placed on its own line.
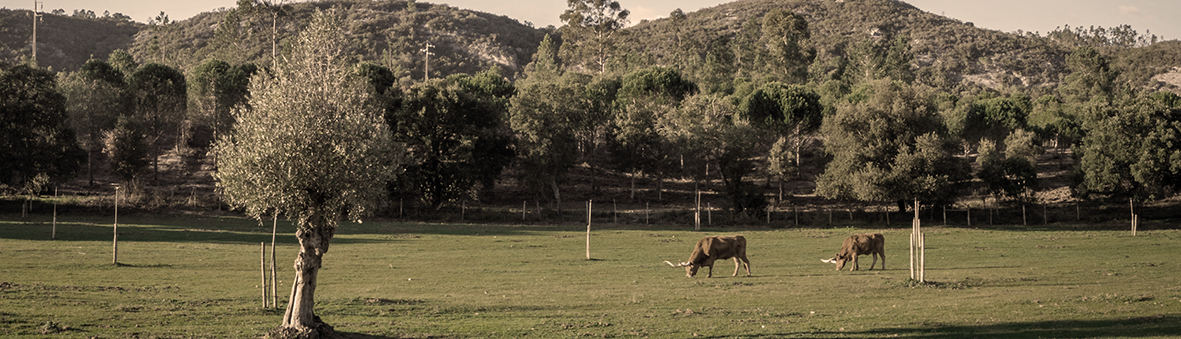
x=427 y=54
x=36 y=17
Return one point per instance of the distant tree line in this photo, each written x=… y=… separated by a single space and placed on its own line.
x=759 y=104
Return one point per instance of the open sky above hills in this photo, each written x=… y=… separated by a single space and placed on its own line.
x=1006 y=15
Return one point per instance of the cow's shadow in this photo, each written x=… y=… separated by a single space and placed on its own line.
x=346 y=335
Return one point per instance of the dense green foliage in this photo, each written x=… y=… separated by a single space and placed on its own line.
x=311 y=142
x=891 y=146
x=740 y=90
x=455 y=133
x=35 y=135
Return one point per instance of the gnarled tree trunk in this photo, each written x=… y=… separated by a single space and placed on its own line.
x=300 y=320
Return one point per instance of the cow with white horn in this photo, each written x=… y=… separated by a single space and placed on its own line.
x=858 y=244
x=710 y=249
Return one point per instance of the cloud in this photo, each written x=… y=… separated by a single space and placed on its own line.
x=1129 y=10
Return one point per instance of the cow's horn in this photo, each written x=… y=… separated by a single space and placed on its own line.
x=669 y=263
x=826 y=260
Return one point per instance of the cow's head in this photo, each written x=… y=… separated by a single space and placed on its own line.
x=690 y=268
x=838 y=260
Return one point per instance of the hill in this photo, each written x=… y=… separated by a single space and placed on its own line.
x=64 y=42
x=389 y=33
x=947 y=52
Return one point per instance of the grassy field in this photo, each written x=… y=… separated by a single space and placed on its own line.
x=197 y=276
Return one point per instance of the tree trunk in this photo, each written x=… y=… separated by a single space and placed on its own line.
x=90 y=166
x=300 y=320
x=634 y=186
x=659 y=185
x=557 y=196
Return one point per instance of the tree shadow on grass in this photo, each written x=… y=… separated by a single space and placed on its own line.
x=1154 y=326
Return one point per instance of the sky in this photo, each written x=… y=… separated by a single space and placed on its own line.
x=1155 y=16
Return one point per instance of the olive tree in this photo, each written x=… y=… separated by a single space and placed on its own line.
x=890 y=147
x=312 y=146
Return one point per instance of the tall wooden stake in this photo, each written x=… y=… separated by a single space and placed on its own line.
x=913 y=243
x=262 y=267
x=523 y=209
x=115 y=239
x=589 y=205
x=922 y=257
x=53 y=235
x=274 y=270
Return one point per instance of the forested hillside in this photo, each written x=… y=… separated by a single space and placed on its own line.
x=64 y=41
x=389 y=33
x=947 y=53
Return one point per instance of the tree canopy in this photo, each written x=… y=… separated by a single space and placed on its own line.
x=35 y=135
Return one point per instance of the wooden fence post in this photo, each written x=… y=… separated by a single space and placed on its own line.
x=697 y=213
x=588 y=228
x=796 y=212
x=53 y=235
x=115 y=239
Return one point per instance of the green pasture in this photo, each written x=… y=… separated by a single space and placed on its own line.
x=198 y=276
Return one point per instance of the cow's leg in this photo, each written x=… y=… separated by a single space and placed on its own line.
x=883 y=255
x=875 y=261
x=744 y=261
x=711 y=271
x=854 y=267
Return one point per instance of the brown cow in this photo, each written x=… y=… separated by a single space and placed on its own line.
x=858 y=244
x=713 y=248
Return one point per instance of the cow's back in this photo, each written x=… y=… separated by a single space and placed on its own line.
x=863 y=244
x=721 y=247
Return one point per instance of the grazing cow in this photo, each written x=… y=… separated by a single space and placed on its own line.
x=714 y=248
x=858 y=244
